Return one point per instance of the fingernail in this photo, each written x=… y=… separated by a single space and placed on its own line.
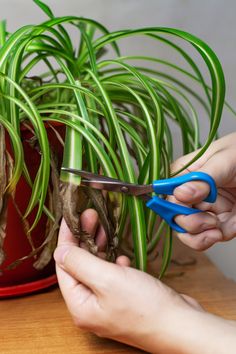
x=186 y=188
x=60 y=253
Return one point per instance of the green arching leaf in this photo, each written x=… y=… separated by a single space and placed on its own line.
x=187 y=121
x=153 y=139
x=69 y=86
x=149 y=123
x=73 y=141
x=132 y=117
x=18 y=154
x=95 y=131
x=171 y=77
x=3 y=32
x=13 y=40
x=207 y=54
x=104 y=159
x=160 y=86
x=134 y=136
x=213 y=65
x=44 y=169
x=19 y=160
x=137 y=221
x=46 y=9
x=154 y=165
x=167 y=251
x=92 y=56
x=74 y=19
x=155 y=136
x=151 y=32
x=41 y=181
x=113 y=119
x=65 y=43
x=41 y=47
x=90 y=30
x=188 y=59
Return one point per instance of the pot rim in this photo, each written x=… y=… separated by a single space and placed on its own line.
x=28 y=288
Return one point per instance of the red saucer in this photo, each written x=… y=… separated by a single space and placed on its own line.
x=28 y=288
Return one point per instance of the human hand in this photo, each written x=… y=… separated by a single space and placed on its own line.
x=118 y=302
x=218 y=221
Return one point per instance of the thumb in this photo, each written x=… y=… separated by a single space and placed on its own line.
x=86 y=268
x=218 y=166
x=76 y=265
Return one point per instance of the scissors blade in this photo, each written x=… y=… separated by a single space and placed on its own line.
x=89 y=175
x=111 y=184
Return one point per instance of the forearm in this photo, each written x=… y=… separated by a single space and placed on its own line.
x=197 y=332
x=221 y=334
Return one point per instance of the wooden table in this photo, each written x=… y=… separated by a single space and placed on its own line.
x=40 y=323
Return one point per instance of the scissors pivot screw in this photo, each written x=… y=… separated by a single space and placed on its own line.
x=124 y=189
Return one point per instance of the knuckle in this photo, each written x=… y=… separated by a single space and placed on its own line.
x=85 y=322
x=80 y=322
x=189 y=224
x=232 y=234
x=99 y=333
x=203 y=244
x=199 y=247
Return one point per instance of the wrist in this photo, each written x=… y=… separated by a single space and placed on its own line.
x=168 y=331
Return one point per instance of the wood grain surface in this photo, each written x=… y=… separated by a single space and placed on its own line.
x=40 y=323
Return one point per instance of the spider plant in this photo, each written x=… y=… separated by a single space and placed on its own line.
x=118 y=111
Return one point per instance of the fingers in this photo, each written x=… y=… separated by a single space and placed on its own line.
x=80 y=274
x=222 y=204
x=203 y=240
x=65 y=236
x=79 y=264
x=203 y=230
x=228 y=224
x=89 y=221
x=65 y=240
x=223 y=147
x=84 y=267
x=123 y=261
x=101 y=239
x=192 y=192
x=218 y=162
x=196 y=223
x=218 y=218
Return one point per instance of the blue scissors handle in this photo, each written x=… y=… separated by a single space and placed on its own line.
x=167 y=186
x=168 y=211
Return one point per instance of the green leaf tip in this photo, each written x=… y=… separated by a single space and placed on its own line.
x=46 y=9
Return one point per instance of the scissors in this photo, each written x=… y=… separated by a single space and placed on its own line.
x=165 y=209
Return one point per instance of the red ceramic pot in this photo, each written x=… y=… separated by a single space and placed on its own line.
x=25 y=278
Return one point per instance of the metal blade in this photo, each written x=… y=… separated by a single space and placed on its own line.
x=89 y=175
x=111 y=184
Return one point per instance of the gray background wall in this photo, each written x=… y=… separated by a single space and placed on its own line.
x=212 y=20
